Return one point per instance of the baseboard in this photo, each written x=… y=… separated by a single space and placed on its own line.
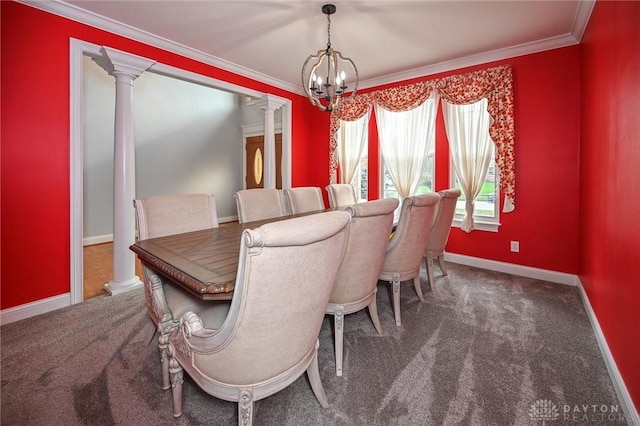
x=630 y=412
x=32 y=309
x=226 y=219
x=629 y=409
x=98 y=239
x=511 y=268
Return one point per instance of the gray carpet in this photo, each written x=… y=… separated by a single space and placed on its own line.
x=483 y=349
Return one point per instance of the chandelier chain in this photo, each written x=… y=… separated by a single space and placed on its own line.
x=328 y=31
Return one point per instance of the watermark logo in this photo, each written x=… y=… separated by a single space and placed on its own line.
x=543 y=411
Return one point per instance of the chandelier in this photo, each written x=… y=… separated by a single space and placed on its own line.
x=325 y=74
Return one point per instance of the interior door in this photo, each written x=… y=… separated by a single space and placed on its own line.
x=255 y=161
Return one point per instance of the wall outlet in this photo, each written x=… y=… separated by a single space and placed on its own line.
x=515 y=246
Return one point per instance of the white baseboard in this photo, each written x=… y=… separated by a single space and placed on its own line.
x=32 y=309
x=98 y=239
x=630 y=411
x=511 y=268
x=227 y=219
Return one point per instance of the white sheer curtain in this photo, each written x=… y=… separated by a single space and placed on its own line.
x=352 y=138
x=471 y=148
x=406 y=138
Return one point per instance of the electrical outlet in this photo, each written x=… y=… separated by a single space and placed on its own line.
x=515 y=246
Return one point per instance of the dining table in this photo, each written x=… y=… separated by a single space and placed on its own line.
x=205 y=262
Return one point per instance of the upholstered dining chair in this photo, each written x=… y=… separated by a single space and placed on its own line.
x=405 y=250
x=439 y=234
x=286 y=271
x=158 y=216
x=303 y=199
x=341 y=194
x=260 y=203
x=357 y=279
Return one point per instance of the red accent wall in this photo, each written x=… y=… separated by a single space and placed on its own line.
x=547 y=132
x=610 y=180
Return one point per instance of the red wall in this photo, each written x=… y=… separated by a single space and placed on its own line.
x=547 y=132
x=35 y=163
x=610 y=180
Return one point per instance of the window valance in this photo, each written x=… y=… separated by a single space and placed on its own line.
x=495 y=84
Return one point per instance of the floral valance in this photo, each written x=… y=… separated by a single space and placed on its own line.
x=495 y=84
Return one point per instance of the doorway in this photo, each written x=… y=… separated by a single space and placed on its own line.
x=255 y=161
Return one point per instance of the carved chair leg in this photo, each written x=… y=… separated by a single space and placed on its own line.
x=177 y=379
x=430 y=270
x=416 y=285
x=441 y=262
x=245 y=407
x=396 y=300
x=163 y=341
x=314 y=379
x=373 y=311
x=338 y=321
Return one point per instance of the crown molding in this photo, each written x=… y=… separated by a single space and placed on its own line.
x=69 y=11
x=468 y=61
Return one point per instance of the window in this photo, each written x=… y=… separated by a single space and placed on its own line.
x=407 y=143
x=473 y=165
x=353 y=156
x=486 y=214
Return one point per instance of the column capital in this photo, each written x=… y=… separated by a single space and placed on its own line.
x=270 y=102
x=116 y=61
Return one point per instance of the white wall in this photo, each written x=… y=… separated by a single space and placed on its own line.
x=188 y=138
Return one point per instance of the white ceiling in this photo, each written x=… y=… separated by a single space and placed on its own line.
x=388 y=40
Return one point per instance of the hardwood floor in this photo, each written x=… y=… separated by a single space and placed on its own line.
x=98 y=269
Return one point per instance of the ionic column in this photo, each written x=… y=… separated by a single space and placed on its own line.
x=269 y=103
x=125 y=68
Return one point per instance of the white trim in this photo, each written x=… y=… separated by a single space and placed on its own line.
x=227 y=219
x=631 y=414
x=98 y=239
x=77 y=49
x=77 y=14
x=512 y=268
x=32 y=309
x=478 y=224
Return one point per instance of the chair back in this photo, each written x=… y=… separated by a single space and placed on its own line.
x=409 y=240
x=304 y=199
x=286 y=272
x=161 y=215
x=439 y=234
x=341 y=194
x=369 y=232
x=259 y=203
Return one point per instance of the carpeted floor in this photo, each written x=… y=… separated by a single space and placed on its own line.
x=484 y=349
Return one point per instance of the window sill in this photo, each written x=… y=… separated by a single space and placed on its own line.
x=478 y=225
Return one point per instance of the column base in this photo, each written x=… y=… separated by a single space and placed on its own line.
x=114 y=288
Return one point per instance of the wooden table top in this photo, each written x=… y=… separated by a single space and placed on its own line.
x=205 y=263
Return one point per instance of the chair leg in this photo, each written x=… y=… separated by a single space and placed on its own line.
x=338 y=321
x=429 y=262
x=163 y=341
x=245 y=407
x=373 y=311
x=441 y=262
x=416 y=285
x=177 y=380
x=396 y=300
x=314 y=379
